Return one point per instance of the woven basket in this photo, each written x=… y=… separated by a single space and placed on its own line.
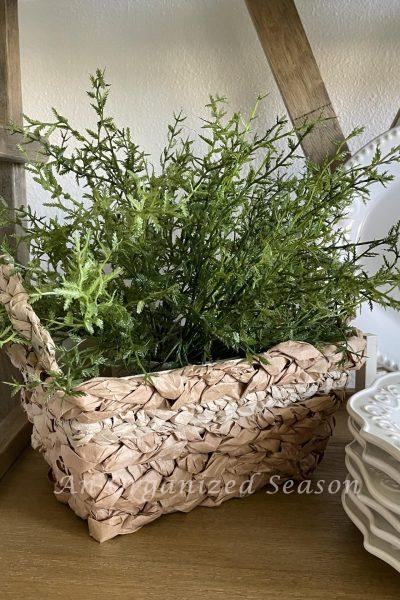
x=124 y=452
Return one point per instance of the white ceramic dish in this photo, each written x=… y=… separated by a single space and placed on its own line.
x=376 y=523
x=372 y=221
x=363 y=496
x=373 y=455
x=383 y=489
x=376 y=410
x=372 y=543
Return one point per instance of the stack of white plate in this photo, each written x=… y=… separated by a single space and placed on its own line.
x=371 y=496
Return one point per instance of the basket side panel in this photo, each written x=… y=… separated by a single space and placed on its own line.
x=119 y=487
x=125 y=452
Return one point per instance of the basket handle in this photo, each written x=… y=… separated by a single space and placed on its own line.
x=27 y=324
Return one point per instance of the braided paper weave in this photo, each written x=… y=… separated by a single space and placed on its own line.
x=126 y=451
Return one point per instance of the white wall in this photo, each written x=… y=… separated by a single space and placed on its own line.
x=162 y=55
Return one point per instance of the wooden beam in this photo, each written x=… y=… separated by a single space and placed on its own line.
x=12 y=176
x=296 y=72
x=9 y=151
x=396 y=122
x=14 y=432
x=366 y=376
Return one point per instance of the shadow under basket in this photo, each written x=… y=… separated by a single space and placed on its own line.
x=126 y=451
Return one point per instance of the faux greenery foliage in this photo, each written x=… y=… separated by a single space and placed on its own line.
x=210 y=254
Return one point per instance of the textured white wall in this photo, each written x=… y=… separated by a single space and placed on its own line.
x=162 y=55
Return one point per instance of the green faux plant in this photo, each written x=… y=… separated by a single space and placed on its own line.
x=210 y=254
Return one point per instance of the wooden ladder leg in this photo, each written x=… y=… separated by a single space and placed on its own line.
x=296 y=72
x=14 y=427
x=396 y=122
x=368 y=372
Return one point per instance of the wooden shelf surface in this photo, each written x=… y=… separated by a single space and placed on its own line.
x=277 y=547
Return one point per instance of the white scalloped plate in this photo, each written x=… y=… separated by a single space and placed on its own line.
x=372 y=543
x=376 y=523
x=382 y=488
x=365 y=498
x=370 y=221
x=374 y=456
x=376 y=411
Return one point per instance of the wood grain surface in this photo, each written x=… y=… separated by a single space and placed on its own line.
x=9 y=151
x=286 y=547
x=296 y=72
x=396 y=121
x=12 y=189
